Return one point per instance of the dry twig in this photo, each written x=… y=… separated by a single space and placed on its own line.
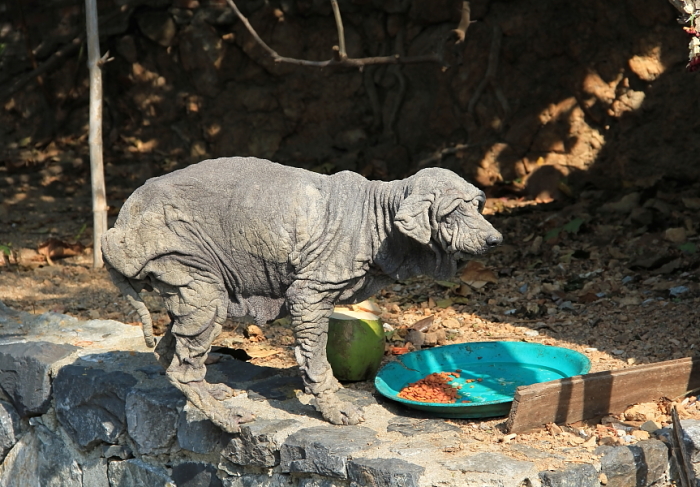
x=57 y=58
x=490 y=70
x=438 y=155
x=464 y=23
x=341 y=59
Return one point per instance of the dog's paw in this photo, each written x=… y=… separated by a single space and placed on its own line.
x=338 y=412
x=211 y=400
x=229 y=418
x=221 y=392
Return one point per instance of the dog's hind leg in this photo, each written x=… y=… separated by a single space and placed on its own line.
x=198 y=312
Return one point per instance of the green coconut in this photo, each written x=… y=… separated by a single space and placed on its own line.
x=355 y=344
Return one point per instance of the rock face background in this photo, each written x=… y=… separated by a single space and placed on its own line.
x=592 y=86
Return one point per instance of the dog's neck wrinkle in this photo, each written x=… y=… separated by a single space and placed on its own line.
x=383 y=202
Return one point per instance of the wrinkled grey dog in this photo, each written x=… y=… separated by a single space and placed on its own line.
x=247 y=237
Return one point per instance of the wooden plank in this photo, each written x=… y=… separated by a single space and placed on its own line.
x=587 y=396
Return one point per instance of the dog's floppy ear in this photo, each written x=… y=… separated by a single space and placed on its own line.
x=413 y=218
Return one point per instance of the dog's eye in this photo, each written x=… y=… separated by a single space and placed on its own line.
x=479 y=202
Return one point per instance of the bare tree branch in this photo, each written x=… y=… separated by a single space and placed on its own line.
x=99 y=198
x=342 y=53
x=490 y=70
x=53 y=62
x=57 y=58
x=341 y=61
x=464 y=23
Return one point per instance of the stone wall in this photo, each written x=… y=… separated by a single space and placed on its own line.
x=84 y=404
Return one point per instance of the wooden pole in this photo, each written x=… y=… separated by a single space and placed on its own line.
x=99 y=198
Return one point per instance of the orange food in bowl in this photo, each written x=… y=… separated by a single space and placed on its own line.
x=434 y=388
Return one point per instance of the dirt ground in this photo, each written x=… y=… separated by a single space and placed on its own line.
x=611 y=275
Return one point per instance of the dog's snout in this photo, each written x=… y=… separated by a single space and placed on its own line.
x=494 y=240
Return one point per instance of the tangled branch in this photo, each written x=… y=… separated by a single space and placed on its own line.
x=690 y=14
x=340 y=58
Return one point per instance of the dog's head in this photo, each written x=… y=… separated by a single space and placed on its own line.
x=442 y=208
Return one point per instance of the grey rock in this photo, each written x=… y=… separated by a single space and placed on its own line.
x=117 y=451
x=319 y=482
x=95 y=473
x=24 y=374
x=195 y=474
x=42 y=458
x=417 y=338
x=641 y=217
x=195 y=432
x=19 y=468
x=691 y=437
x=253 y=480
x=201 y=54
x=384 y=472
x=534 y=453
x=275 y=388
x=357 y=397
x=258 y=98
x=637 y=465
x=10 y=428
x=584 y=475
x=350 y=139
x=324 y=450
x=413 y=427
x=237 y=372
x=416 y=445
x=126 y=48
x=216 y=15
x=181 y=16
x=217 y=240
x=259 y=443
x=90 y=403
x=494 y=469
x=152 y=418
x=158 y=26
x=135 y=472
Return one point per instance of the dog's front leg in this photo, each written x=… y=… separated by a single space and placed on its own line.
x=310 y=311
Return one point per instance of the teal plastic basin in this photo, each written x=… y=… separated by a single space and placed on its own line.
x=501 y=367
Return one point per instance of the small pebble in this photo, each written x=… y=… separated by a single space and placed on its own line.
x=678 y=290
x=618 y=352
x=532 y=333
x=640 y=434
x=650 y=426
x=566 y=305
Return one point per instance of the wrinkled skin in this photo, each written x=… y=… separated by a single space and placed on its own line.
x=246 y=237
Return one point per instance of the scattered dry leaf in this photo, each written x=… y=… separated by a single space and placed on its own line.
x=55 y=248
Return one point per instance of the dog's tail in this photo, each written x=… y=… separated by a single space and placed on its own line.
x=135 y=300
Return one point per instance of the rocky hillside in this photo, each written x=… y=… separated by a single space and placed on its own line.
x=540 y=93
